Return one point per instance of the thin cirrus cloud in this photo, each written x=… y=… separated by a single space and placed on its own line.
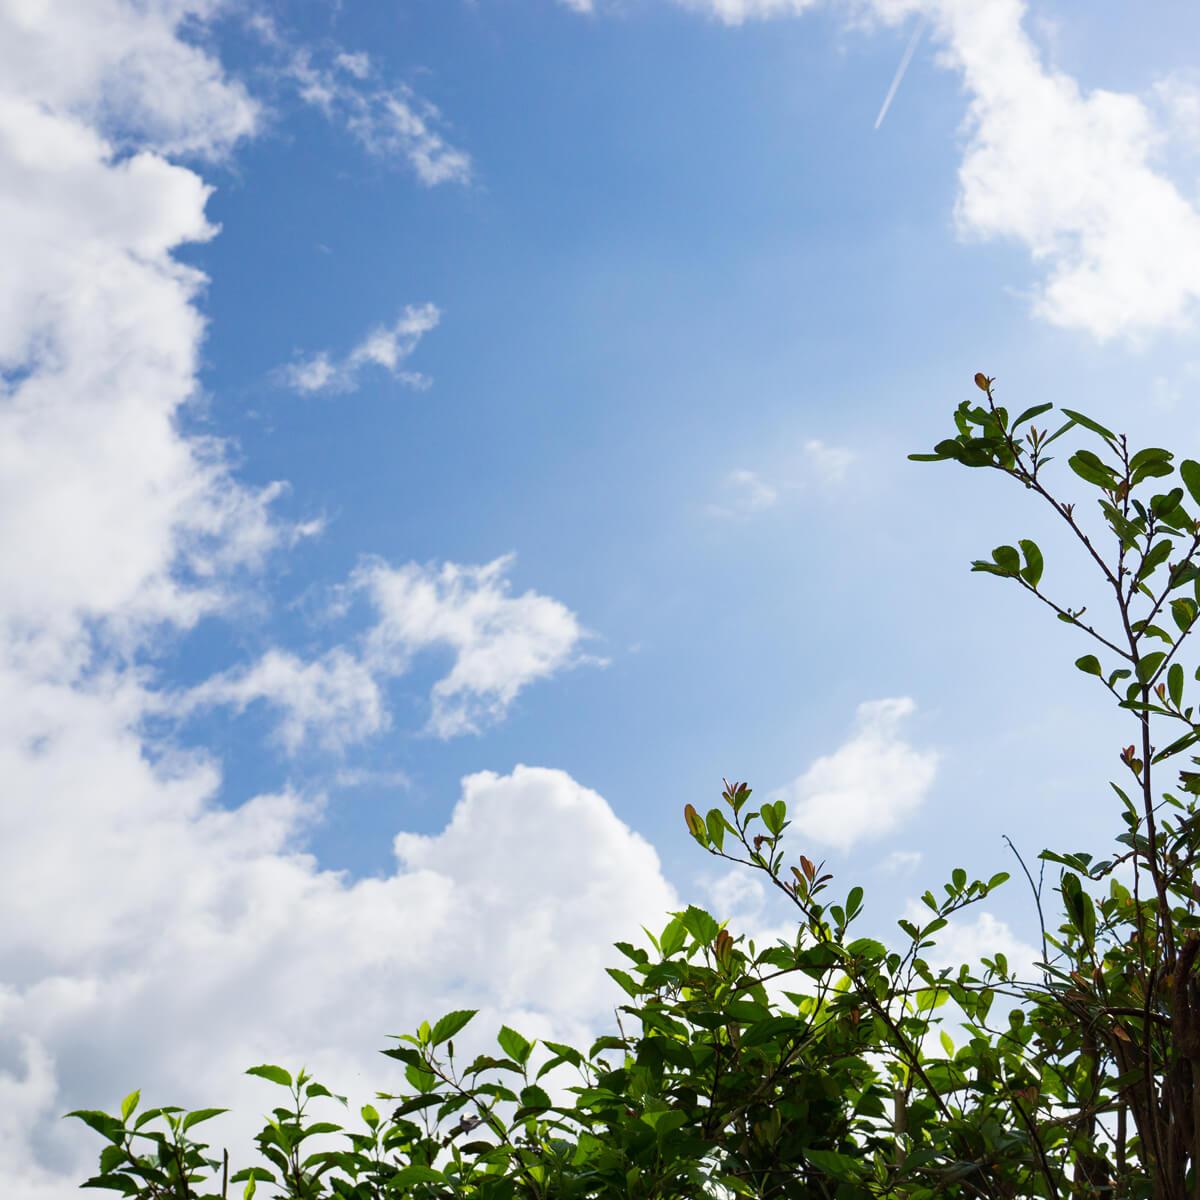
x=388 y=122
x=868 y=786
x=383 y=346
x=1076 y=177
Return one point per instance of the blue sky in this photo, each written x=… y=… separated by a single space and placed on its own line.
x=442 y=440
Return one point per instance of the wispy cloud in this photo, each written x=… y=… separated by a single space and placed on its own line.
x=866 y=787
x=334 y=698
x=387 y=121
x=747 y=492
x=382 y=347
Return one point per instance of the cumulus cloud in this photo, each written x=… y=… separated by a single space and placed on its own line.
x=388 y=121
x=121 y=67
x=866 y=787
x=501 y=643
x=179 y=916
x=382 y=347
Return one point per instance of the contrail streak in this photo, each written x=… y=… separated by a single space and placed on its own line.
x=912 y=45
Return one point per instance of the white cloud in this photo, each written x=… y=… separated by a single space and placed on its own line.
x=1076 y=177
x=188 y=943
x=501 y=642
x=828 y=463
x=901 y=861
x=386 y=121
x=335 y=697
x=750 y=494
x=121 y=68
x=866 y=787
x=382 y=347
x=734 y=12
x=149 y=936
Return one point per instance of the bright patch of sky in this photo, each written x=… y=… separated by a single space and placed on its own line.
x=440 y=441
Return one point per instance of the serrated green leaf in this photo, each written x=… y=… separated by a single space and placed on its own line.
x=451 y=1023
x=513 y=1044
x=625 y=980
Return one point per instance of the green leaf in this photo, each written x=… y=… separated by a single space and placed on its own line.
x=1147 y=665
x=1189 y=471
x=1166 y=502
x=1157 y=555
x=700 y=924
x=1089 y=664
x=451 y=1023
x=129 y=1104
x=715 y=824
x=625 y=980
x=1030 y=413
x=1088 y=467
x=1175 y=684
x=1033 y=562
x=1149 y=455
x=534 y=1097
x=203 y=1114
x=274 y=1074
x=1007 y=559
x=1088 y=423
x=1057 y=434
x=1184 y=612
x=854 y=901
x=673 y=937
x=513 y=1044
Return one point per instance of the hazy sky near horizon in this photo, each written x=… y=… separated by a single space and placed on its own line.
x=440 y=439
